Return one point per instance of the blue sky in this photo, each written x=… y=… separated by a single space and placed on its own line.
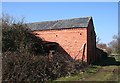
x=119 y=18
x=105 y=14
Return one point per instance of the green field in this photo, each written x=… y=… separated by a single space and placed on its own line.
x=106 y=70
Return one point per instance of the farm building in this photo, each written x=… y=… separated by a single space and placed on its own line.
x=75 y=36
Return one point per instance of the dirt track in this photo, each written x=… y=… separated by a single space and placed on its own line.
x=109 y=72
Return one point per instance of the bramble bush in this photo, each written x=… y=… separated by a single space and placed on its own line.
x=27 y=67
x=17 y=37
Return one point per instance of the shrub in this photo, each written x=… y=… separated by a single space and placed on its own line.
x=17 y=37
x=27 y=67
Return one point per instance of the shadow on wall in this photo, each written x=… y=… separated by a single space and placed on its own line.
x=104 y=60
x=55 y=50
x=108 y=62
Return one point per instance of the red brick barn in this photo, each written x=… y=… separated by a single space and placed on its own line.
x=76 y=36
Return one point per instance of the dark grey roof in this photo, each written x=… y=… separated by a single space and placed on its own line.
x=60 y=24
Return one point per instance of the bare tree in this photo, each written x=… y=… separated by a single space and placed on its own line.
x=115 y=44
x=97 y=40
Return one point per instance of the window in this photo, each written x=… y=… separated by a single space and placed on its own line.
x=80 y=33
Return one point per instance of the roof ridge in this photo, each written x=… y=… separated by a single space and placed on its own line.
x=64 y=19
x=75 y=18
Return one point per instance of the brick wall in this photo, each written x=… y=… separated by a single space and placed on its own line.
x=91 y=51
x=71 y=40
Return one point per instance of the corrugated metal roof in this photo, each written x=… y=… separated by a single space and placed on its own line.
x=60 y=24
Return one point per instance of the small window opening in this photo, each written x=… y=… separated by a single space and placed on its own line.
x=80 y=33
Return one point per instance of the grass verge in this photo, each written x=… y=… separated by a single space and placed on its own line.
x=80 y=76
